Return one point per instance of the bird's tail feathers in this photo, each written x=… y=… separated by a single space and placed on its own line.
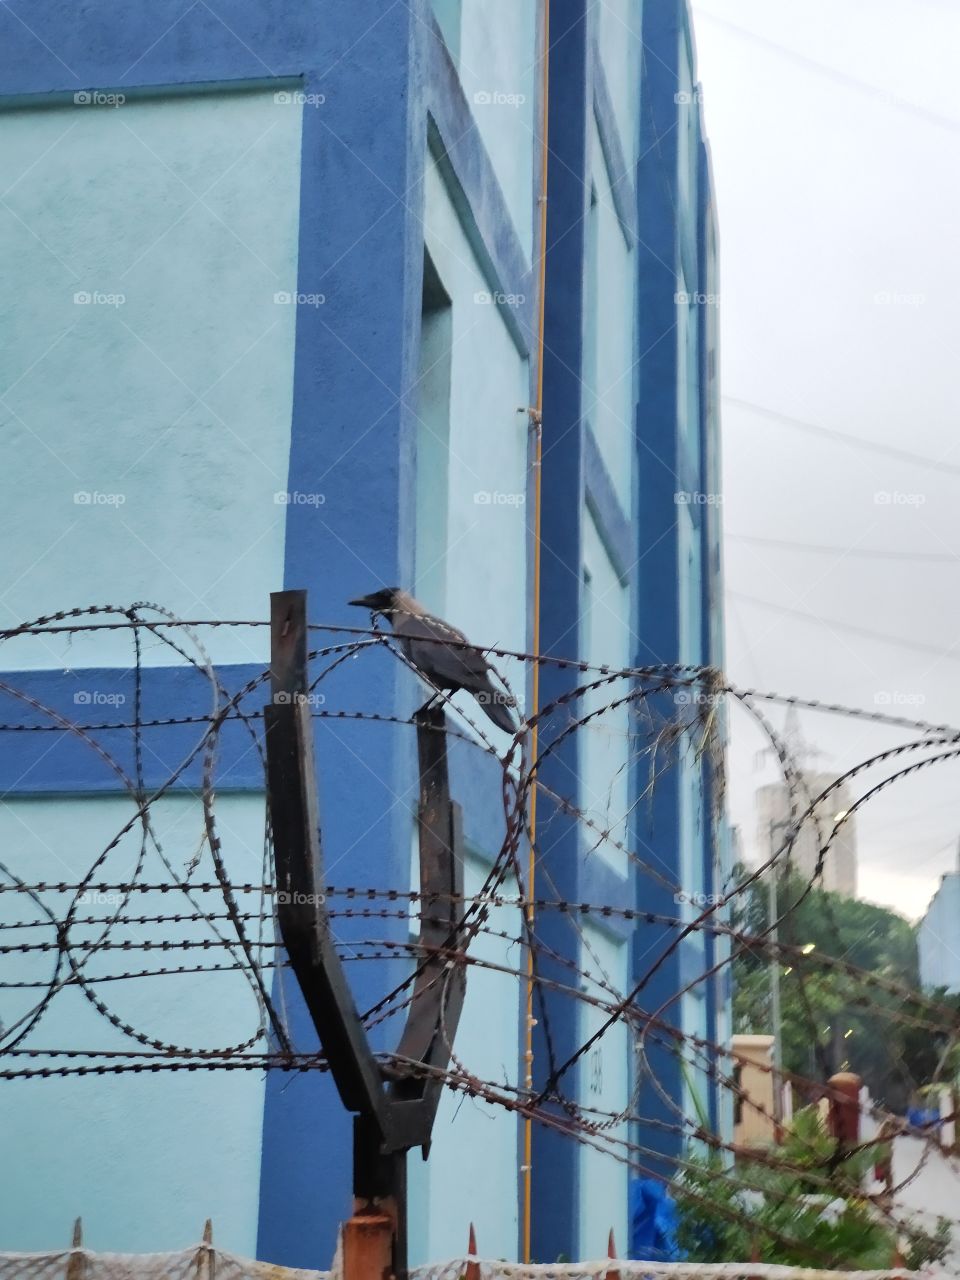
x=496 y=706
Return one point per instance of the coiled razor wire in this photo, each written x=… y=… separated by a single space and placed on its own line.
x=216 y=929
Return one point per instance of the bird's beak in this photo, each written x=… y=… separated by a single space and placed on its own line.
x=366 y=602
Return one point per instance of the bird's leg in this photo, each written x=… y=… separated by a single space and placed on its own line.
x=427 y=706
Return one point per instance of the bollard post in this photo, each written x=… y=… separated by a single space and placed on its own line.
x=472 y=1271
x=613 y=1273
x=368 y=1246
x=77 y=1266
x=843 y=1119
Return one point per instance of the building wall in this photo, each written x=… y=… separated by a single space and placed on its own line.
x=774 y=818
x=164 y=326
x=143 y=1159
x=936 y=947
x=390 y=417
x=753 y=1057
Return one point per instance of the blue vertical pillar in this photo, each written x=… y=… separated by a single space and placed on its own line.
x=352 y=443
x=555 y=1156
x=656 y=824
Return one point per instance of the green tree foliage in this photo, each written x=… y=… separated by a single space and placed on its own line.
x=832 y=1020
x=804 y=1207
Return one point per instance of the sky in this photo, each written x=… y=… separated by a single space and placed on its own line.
x=835 y=131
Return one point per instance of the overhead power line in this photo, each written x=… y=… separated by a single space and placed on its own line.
x=901 y=641
x=866 y=553
x=886 y=96
x=858 y=442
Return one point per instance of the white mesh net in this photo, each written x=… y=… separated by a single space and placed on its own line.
x=204 y=1262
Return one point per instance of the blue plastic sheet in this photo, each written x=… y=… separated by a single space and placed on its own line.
x=653 y=1222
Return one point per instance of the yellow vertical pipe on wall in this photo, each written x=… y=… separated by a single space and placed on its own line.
x=535 y=682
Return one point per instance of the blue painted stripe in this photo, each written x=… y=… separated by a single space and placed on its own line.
x=618 y=171
x=475 y=191
x=613 y=525
x=47 y=761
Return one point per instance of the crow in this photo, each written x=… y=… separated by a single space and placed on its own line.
x=440 y=652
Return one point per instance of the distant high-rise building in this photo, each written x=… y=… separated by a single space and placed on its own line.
x=774 y=820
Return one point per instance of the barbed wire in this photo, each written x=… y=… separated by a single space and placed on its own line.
x=654 y=719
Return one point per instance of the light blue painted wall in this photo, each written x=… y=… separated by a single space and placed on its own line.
x=499 y=71
x=604 y=742
x=609 y=402
x=472 y=1174
x=485 y=564
x=604 y=1076
x=171 y=409
x=619 y=25
x=144 y=1159
x=936 y=937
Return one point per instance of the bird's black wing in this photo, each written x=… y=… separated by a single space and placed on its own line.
x=450 y=665
x=444 y=656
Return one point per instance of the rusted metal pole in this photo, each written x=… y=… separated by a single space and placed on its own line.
x=472 y=1269
x=77 y=1266
x=368 y=1246
x=614 y=1272
x=388 y=1121
x=843 y=1119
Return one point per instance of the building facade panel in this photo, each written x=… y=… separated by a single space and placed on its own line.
x=401 y=402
